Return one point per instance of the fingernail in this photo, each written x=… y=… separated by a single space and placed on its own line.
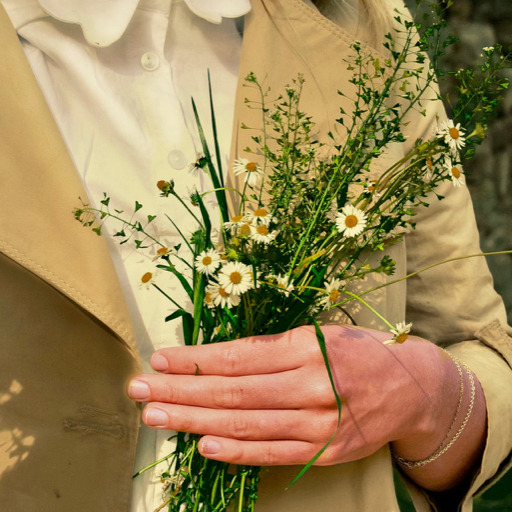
x=159 y=363
x=138 y=390
x=156 y=418
x=210 y=447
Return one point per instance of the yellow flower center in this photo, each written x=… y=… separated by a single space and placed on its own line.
x=235 y=277
x=146 y=278
x=262 y=230
x=401 y=337
x=334 y=295
x=162 y=251
x=160 y=184
x=455 y=172
x=454 y=133
x=237 y=218
x=351 y=221
x=251 y=167
x=223 y=293
x=207 y=261
x=245 y=230
x=208 y=297
x=261 y=212
x=429 y=163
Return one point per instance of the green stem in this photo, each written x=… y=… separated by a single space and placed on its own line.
x=166 y=295
x=373 y=310
x=416 y=272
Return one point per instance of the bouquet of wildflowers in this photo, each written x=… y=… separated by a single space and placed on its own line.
x=305 y=226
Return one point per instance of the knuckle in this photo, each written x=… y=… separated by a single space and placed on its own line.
x=171 y=393
x=269 y=457
x=231 y=358
x=239 y=427
x=326 y=426
x=322 y=393
x=229 y=396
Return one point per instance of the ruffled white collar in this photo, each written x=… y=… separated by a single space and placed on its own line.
x=104 y=21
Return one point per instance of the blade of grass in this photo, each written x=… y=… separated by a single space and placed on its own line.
x=323 y=348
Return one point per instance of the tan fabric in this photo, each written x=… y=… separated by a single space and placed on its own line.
x=66 y=427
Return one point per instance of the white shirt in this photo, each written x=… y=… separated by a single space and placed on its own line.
x=118 y=77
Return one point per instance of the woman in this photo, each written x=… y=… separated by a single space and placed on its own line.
x=117 y=79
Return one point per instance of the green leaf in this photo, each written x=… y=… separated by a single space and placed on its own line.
x=188 y=328
x=199 y=291
x=217 y=184
x=177 y=314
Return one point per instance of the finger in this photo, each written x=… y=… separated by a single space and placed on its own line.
x=254 y=355
x=242 y=425
x=257 y=453
x=275 y=391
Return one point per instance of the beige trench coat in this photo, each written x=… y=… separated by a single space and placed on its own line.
x=67 y=429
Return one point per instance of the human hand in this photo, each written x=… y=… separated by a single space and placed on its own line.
x=267 y=400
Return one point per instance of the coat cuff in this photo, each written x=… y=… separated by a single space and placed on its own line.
x=490 y=359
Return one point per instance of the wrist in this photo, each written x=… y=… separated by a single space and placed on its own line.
x=451 y=437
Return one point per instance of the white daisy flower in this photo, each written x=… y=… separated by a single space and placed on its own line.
x=453 y=135
x=236 y=222
x=260 y=216
x=350 y=221
x=161 y=252
x=428 y=169
x=147 y=280
x=207 y=262
x=238 y=225
x=260 y=233
x=369 y=188
x=400 y=333
x=216 y=295
x=236 y=277
x=455 y=172
x=251 y=170
x=458 y=178
x=282 y=283
x=333 y=294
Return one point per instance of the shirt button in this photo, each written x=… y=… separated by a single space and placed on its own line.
x=177 y=159
x=149 y=61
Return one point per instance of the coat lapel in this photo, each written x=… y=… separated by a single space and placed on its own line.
x=39 y=189
x=291 y=37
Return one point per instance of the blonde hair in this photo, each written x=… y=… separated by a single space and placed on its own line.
x=377 y=16
x=372 y=17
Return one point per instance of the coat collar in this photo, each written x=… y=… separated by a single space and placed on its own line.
x=103 y=23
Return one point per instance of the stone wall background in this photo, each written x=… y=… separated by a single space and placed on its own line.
x=479 y=23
